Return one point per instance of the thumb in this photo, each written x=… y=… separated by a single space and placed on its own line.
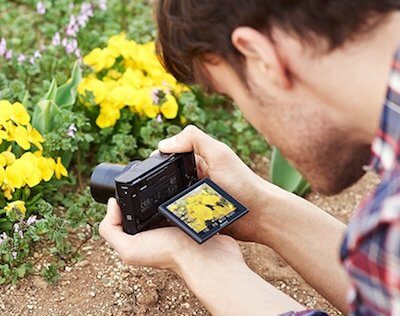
x=113 y=216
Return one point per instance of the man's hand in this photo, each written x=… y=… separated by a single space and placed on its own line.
x=305 y=236
x=215 y=160
x=215 y=271
x=164 y=248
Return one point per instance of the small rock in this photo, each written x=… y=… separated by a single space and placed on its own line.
x=92 y=293
x=68 y=269
x=185 y=305
x=83 y=263
x=40 y=283
x=127 y=309
x=128 y=290
x=148 y=298
x=29 y=306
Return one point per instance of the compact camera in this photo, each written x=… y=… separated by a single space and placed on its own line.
x=142 y=186
x=166 y=187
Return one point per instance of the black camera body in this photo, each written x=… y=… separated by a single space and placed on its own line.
x=141 y=187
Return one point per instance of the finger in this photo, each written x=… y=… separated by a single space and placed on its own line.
x=111 y=226
x=113 y=216
x=193 y=139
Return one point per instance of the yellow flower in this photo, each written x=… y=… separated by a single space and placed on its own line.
x=19 y=114
x=180 y=88
x=60 y=169
x=132 y=77
x=96 y=86
x=16 y=206
x=109 y=115
x=21 y=137
x=7 y=191
x=14 y=179
x=208 y=199
x=5 y=111
x=8 y=156
x=120 y=46
x=35 y=137
x=28 y=166
x=46 y=167
x=113 y=74
x=2 y=175
x=100 y=59
x=122 y=95
x=170 y=107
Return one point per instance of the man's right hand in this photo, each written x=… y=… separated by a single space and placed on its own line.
x=215 y=160
x=305 y=236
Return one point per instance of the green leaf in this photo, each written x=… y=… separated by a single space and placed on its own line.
x=283 y=174
x=52 y=92
x=66 y=94
x=44 y=117
x=21 y=270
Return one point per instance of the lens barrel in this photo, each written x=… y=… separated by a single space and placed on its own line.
x=102 y=183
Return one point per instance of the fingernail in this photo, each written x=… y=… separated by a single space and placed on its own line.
x=167 y=143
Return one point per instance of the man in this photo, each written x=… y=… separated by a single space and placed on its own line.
x=311 y=76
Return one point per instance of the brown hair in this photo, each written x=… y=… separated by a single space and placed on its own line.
x=191 y=30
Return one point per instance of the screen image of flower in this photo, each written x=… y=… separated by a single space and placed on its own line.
x=201 y=207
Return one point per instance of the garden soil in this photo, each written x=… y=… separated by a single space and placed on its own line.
x=102 y=285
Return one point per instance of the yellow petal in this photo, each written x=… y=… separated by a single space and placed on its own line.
x=21 y=137
x=20 y=114
x=60 y=169
x=5 y=111
x=2 y=175
x=170 y=107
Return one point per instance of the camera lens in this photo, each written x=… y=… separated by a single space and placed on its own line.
x=102 y=183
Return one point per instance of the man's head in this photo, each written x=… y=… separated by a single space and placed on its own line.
x=309 y=75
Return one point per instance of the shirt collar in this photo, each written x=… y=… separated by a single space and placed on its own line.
x=386 y=145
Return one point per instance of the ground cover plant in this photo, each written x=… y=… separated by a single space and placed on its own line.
x=80 y=84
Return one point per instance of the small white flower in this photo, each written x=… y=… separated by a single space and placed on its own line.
x=41 y=8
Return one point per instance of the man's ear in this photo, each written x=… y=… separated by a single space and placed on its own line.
x=259 y=49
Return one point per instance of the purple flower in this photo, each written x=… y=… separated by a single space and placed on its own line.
x=21 y=234
x=32 y=60
x=3 y=46
x=41 y=8
x=16 y=227
x=8 y=54
x=21 y=58
x=159 y=118
x=78 y=53
x=103 y=5
x=87 y=9
x=14 y=254
x=31 y=220
x=56 y=39
x=82 y=19
x=71 y=46
x=72 y=130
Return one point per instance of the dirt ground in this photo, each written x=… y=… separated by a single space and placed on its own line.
x=102 y=285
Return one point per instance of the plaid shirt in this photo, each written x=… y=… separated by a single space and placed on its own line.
x=371 y=249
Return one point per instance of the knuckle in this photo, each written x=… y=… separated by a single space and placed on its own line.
x=190 y=129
